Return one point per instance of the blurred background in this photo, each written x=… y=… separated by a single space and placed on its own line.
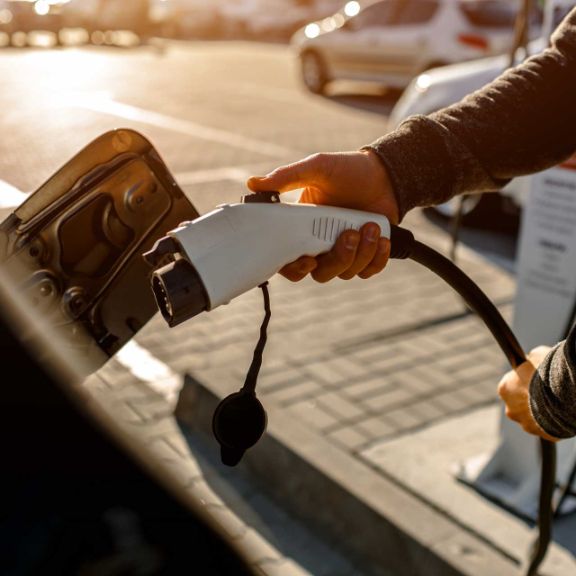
x=88 y=21
x=393 y=57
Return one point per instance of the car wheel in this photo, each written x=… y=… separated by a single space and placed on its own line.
x=314 y=72
x=481 y=211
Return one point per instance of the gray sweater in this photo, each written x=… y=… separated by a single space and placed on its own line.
x=521 y=123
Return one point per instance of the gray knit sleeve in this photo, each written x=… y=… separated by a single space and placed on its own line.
x=553 y=390
x=521 y=123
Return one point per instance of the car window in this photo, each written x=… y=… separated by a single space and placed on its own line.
x=416 y=12
x=378 y=14
x=560 y=12
x=490 y=13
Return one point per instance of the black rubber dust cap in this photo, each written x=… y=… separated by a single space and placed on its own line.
x=238 y=423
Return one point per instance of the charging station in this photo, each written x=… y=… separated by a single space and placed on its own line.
x=544 y=310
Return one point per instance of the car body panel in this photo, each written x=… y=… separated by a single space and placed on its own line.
x=75 y=245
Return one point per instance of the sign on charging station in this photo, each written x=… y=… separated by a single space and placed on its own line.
x=543 y=311
x=546 y=273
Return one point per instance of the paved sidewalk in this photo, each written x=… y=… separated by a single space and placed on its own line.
x=374 y=391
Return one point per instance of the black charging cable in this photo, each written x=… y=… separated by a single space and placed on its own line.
x=403 y=246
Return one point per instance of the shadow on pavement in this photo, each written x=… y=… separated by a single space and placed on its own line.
x=372 y=99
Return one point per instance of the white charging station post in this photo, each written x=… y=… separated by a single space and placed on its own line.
x=544 y=304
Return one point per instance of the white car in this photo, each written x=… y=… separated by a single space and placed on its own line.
x=270 y=19
x=391 y=41
x=442 y=86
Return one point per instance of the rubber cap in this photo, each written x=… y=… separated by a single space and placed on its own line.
x=238 y=423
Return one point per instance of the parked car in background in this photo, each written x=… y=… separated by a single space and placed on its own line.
x=439 y=87
x=185 y=18
x=25 y=16
x=389 y=42
x=99 y=16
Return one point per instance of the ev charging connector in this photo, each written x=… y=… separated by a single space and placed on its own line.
x=236 y=247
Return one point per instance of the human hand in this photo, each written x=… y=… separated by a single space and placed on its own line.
x=514 y=390
x=356 y=180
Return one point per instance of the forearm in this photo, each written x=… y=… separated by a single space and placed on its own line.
x=523 y=122
x=553 y=390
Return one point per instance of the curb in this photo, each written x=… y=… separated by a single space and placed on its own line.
x=377 y=522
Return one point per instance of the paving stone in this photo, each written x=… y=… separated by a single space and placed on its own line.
x=256 y=549
x=478 y=372
x=201 y=490
x=476 y=337
x=389 y=399
x=422 y=345
x=480 y=392
x=125 y=414
x=341 y=407
x=282 y=376
x=428 y=411
x=402 y=419
x=173 y=445
x=113 y=374
x=425 y=380
x=187 y=473
x=233 y=527
x=349 y=437
x=132 y=389
x=165 y=428
x=451 y=401
x=453 y=362
x=312 y=414
x=293 y=393
x=334 y=371
x=390 y=364
x=367 y=388
x=150 y=408
x=375 y=427
x=370 y=351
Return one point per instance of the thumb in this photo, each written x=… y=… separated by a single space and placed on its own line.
x=290 y=177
